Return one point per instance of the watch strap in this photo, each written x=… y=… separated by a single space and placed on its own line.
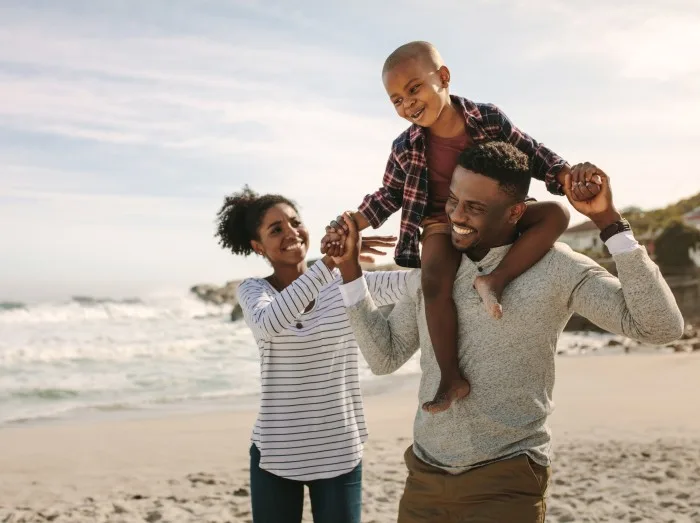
x=614 y=228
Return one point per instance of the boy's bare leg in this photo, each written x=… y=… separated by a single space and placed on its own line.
x=490 y=288
x=439 y=264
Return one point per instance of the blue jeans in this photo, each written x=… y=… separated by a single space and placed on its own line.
x=281 y=500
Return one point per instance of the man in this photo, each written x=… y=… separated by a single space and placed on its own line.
x=488 y=457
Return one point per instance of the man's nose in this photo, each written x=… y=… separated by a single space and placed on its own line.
x=457 y=215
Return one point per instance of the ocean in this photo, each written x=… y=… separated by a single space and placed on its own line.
x=89 y=357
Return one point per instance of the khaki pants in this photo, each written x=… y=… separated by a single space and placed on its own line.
x=508 y=491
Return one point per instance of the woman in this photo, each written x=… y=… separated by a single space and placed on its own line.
x=311 y=427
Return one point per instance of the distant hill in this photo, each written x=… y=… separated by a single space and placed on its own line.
x=656 y=219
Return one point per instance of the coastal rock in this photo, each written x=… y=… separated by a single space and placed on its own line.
x=236 y=313
x=217 y=295
x=225 y=295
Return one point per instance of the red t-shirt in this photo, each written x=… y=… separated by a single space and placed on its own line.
x=441 y=156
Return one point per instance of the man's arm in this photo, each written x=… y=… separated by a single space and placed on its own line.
x=385 y=343
x=639 y=304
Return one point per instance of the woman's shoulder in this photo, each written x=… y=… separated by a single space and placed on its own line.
x=252 y=285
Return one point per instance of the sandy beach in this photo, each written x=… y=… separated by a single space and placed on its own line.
x=626 y=448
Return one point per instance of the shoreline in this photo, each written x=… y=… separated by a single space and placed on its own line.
x=371 y=386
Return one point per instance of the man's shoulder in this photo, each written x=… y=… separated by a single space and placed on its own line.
x=563 y=255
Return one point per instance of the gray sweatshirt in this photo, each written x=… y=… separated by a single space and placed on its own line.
x=510 y=362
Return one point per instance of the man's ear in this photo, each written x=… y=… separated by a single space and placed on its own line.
x=516 y=212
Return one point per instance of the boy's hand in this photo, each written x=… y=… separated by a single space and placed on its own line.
x=585 y=182
x=600 y=209
x=337 y=226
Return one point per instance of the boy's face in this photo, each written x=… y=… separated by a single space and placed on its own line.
x=419 y=92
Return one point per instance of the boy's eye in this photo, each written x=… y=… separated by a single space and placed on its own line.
x=397 y=101
x=414 y=89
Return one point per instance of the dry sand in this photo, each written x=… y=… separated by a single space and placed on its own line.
x=627 y=448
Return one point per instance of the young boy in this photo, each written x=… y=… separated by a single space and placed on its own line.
x=417 y=179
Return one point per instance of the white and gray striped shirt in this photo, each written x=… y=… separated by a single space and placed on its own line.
x=311 y=423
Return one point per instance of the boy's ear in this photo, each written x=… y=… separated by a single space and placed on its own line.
x=444 y=74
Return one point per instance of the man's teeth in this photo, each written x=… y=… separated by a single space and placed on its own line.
x=462 y=230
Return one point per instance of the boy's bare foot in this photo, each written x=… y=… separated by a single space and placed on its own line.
x=490 y=288
x=448 y=392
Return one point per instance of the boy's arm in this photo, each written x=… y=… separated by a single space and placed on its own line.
x=376 y=208
x=544 y=164
x=540 y=226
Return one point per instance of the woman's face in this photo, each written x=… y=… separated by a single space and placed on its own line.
x=283 y=238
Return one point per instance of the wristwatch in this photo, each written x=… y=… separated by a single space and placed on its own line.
x=615 y=228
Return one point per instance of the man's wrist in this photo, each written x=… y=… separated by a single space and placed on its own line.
x=350 y=270
x=606 y=219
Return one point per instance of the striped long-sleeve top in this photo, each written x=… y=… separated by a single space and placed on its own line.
x=311 y=423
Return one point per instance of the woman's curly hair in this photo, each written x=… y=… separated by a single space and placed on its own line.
x=240 y=216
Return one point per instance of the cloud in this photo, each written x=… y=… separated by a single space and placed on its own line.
x=123 y=124
x=640 y=40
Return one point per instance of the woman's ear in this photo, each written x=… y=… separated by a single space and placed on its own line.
x=257 y=247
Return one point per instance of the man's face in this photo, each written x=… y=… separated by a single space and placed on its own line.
x=480 y=212
x=417 y=90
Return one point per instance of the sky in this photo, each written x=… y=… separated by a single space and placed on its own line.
x=123 y=123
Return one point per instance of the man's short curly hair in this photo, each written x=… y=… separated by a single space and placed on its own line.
x=239 y=218
x=502 y=162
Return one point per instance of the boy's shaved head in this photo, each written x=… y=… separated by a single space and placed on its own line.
x=424 y=51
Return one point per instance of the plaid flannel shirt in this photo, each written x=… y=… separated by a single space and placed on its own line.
x=405 y=182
